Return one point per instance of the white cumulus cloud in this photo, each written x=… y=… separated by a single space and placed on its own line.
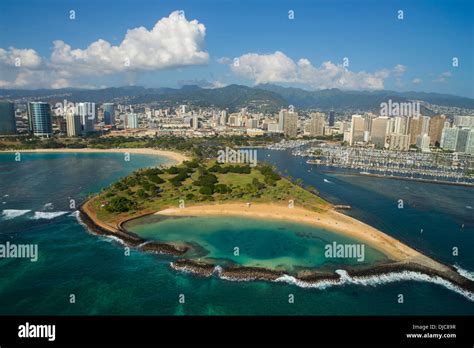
x=399 y=69
x=279 y=68
x=172 y=42
x=20 y=58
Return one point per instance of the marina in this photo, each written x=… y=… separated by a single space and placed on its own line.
x=441 y=167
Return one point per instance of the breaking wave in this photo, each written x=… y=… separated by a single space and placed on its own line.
x=464 y=272
x=110 y=238
x=9 y=214
x=375 y=280
x=345 y=278
x=47 y=215
x=48 y=206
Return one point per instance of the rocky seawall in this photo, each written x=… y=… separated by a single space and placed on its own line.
x=130 y=239
x=310 y=278
x=305 y=278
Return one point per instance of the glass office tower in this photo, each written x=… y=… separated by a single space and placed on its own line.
x=109 y=113
x=7 y=118
x=39 y=119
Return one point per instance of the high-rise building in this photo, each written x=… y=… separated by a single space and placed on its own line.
x=457 y=139
x=414 y=128
x=195 y=121
x=73 y=125
x=290 y=126
x=379 y=131
x=400 y=125
x=461 y=142
x=331 y=118
x=251 y=123
x=39 y=119
x=281 y=119
x=233 y=119
x=449 y=137
x=398 y=142
x=86 y=112
x=109 y=113
x=425 y=124
x=132 y=121
x=357 y=129
x=273 y=127
x=316 y=125
x=470 y=142
x=62 y=124
x=436 y=129
x=7 y=118
x=423 y=142
x=464 y=121
x=367 y=125
x=223 y=118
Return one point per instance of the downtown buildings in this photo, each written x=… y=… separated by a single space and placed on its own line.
x=7 y=118
x=401 y=132
x=458 y=139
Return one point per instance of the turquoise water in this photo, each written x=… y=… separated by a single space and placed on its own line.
x=261 y=243
x=106 y=281
x=445 y=213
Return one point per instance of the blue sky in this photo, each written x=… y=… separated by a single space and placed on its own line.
x=414 y=53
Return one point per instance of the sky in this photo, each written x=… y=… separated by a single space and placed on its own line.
x=351 y=45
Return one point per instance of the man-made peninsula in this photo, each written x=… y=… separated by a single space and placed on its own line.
x=207 y=188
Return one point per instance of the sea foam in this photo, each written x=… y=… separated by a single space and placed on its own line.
x=375 y=280
x=47 y=215
x=48 y=206
x=464 y=272
x=8 y=214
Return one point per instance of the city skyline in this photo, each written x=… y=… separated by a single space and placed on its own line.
x=425 y=48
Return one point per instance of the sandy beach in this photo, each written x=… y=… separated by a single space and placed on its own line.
x=175 y=156
x=402 y=257
x=329 y=219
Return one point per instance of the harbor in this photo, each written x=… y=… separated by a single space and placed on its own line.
x=437 y=167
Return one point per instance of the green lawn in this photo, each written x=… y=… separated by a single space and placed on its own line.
x=198 y=183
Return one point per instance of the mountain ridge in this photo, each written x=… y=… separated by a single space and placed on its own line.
x=265 y=96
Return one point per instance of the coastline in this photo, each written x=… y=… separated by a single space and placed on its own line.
x=403 y=257
x=175 y=156
x=130 y=239
x=329 y=219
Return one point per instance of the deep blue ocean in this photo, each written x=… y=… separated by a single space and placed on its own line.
x=35 y=198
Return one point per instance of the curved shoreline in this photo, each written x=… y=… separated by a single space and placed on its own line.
x=368 y=276
x=408 y=260
x=175 y=156
x=128 y=238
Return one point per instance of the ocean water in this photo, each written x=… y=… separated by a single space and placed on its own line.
x=104 y=280
x=434 y=219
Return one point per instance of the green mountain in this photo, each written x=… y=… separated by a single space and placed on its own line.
x=266 y=98
x=366 y=100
